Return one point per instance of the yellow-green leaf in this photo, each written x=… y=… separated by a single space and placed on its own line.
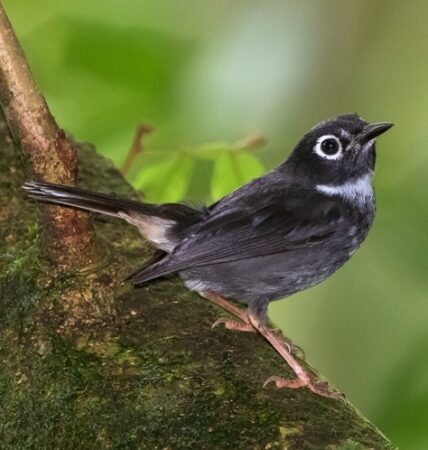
x=232 y=170
x=166 y=181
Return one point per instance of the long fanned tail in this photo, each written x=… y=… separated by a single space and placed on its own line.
x=163 y=225
x=83 y=199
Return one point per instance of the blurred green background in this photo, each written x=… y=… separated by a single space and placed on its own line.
x=208 y=74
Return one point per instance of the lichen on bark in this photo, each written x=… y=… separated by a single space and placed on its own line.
x=88 y=362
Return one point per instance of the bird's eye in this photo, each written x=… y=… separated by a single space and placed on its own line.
x=328 y=147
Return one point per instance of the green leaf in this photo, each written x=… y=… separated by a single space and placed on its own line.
x=166 y=181
x=232 y=170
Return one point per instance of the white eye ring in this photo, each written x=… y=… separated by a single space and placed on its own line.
x=319 y=151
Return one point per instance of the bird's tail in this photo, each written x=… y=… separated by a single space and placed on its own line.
x=83 y=199
x=160 y=224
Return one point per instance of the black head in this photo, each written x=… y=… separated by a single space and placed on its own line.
x=337 y=150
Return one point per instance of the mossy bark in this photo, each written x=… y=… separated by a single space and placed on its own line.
x=67 y=234
x=90 y=363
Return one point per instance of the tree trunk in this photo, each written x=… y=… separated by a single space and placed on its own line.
x=90 y=363
x=67 y=233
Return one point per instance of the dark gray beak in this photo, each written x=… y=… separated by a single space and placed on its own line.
x=373 y=130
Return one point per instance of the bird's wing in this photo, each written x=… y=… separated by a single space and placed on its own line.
x=246 y=230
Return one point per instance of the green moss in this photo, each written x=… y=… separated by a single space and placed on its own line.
x=87 y=363
x=351 y=445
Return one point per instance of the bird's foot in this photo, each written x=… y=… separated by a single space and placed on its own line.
x=303 y=378
x=249 y=328
x=318 y=387
x=234 y=325
x=227 y=305
x=245 y=323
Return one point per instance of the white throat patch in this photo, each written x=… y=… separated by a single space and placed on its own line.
x=359 y=190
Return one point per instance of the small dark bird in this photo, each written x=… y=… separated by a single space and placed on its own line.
x=277 y=235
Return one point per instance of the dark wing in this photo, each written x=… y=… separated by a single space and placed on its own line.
x=257 y=225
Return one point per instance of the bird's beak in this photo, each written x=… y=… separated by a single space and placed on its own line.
x=373 y=130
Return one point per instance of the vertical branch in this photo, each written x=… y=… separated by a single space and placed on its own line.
x=68 y=235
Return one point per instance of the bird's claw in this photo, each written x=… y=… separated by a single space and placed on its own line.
x=233 y=325
x=324 y=389
x=319 y=387
x=219 y=321
x=281 y=382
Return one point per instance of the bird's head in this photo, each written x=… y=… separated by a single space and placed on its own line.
x=337 y=150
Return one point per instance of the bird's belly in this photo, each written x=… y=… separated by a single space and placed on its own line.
x=269 y=277
x=275 y=276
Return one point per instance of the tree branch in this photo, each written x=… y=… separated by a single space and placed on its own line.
x=68 y=235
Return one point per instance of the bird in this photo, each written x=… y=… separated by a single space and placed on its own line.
x=277 y=235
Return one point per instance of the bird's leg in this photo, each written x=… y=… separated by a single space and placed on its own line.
x=303 y=377
x=243 y=325
x=250 y=321
x=292 y=347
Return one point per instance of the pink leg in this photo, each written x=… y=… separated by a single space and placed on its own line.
x=234 y=325
x=243 y=325
x=304 y=379
x=250 y=322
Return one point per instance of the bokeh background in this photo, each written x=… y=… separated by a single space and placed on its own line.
x=211 y=75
